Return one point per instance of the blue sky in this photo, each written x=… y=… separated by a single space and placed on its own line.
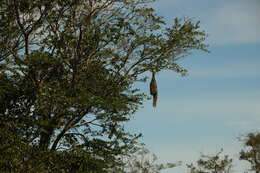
x=220 y=98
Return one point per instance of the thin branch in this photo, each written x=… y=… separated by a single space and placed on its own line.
x=68 y=126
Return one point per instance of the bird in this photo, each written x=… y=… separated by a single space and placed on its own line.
x=153 y=89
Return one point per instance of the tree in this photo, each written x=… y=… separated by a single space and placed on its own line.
x=251 y=152
x=68 y=69
x=141 y=160
x=212 y=164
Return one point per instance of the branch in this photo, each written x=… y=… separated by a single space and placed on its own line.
x=26 y=35
x=68 y=126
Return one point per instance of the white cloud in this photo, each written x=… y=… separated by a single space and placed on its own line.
x=226 y=22
x=235 y=23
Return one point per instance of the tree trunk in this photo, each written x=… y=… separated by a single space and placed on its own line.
x=45 y=138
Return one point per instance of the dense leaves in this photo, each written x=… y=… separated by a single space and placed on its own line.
x=251 y=152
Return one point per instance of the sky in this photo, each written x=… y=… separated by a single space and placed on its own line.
x=220 y=98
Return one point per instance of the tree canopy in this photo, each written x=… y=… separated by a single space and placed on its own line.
x=212 y=164
x=67 y=75
x=251 y=151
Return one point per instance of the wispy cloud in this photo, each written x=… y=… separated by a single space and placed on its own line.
x=232 y=22
x=215 y=107
x=226 y=71
x=202 y=121
x=235 y=23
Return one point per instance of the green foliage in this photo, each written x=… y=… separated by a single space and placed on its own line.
x=18 y=156
x=251 y=152
x=67 y=74
x=212 y=164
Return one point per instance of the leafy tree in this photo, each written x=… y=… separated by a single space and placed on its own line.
x=67 y=75
x=141 y=160
x=251 y=152
x=212 y=164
